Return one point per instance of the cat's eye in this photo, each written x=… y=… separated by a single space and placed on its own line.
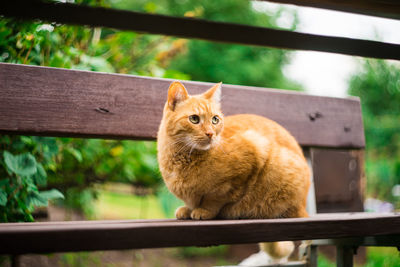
x=194 y=119
x=215 y=120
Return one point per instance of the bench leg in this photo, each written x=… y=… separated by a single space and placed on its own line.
x=344 y=256
x=15 y=259
x=313 y=256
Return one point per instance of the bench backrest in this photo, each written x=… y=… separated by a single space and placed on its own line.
x=59 y=102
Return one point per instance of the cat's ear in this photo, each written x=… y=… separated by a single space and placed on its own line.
x=214 y=93
x=176 y=94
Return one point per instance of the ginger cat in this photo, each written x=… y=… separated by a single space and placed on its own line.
x=241 y=166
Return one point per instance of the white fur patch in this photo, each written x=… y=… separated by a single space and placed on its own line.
x=217 y=94
x=259 y=141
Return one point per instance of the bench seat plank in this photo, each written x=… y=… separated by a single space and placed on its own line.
x=18 y=238
x=60 y=102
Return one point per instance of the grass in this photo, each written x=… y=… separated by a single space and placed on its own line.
x=376 y=257
x=324 y=262
x=113 y=206
x=79 y=259
x=382 y=257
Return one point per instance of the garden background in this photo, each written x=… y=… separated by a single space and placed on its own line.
x=111 y=179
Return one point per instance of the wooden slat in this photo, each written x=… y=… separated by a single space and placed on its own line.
x=84 y=236
x=373 y=241
x=194 y=28
x=381 y=8
x=338 y=180
x=59 y=102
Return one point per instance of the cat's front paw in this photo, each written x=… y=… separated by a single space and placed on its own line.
x=183 y=213
x=202 y=214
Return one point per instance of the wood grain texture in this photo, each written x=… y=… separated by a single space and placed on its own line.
x=194 y=28
x=338 y=180
x=381 y=8
x=109 y=235
x=59 y=102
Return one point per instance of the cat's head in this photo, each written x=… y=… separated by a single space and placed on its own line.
x=193 y=121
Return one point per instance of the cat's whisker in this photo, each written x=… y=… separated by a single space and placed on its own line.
x=220 y=146
x=182 y=148
x=186 y=146
x=179 y=141
x=191 y=149
x=181 y=145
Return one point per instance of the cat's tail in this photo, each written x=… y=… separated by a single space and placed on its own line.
x=278 y=250
x=270 y=253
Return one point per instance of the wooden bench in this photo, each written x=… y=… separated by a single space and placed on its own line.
x=58 y=102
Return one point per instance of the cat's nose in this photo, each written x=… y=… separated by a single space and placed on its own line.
x=209 y=134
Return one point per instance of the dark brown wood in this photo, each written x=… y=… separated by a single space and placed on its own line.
x=344 y=256
x=59 y=102
x=194 y=28
x=375 y=241
x=18 y=238
x=15 y=261
x=338 y=180
x=381 y=8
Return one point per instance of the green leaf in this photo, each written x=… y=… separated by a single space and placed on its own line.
x=23 y=164
x=94 y=63
x=30 y=185
x=36 y=200
x=40 y=177
x=23 y=207
x=76 y=153
x=4 y=182
x=3 y=198
x=51 y=194
x=27 y=140
x=48 y=144
x=52 y=145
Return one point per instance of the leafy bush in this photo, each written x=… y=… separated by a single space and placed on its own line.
x=82 y=162
x=22 y=174
x=76 y=163
x=378 y=86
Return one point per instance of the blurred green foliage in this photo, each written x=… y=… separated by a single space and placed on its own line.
x=77 y=164
x=169 y=203
x=30 y=167
x=22 y=173
x=376 y=257
x=80 y=163
x=215 y=62
x=118 y=205
x=378 y=86
x=382 y=257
